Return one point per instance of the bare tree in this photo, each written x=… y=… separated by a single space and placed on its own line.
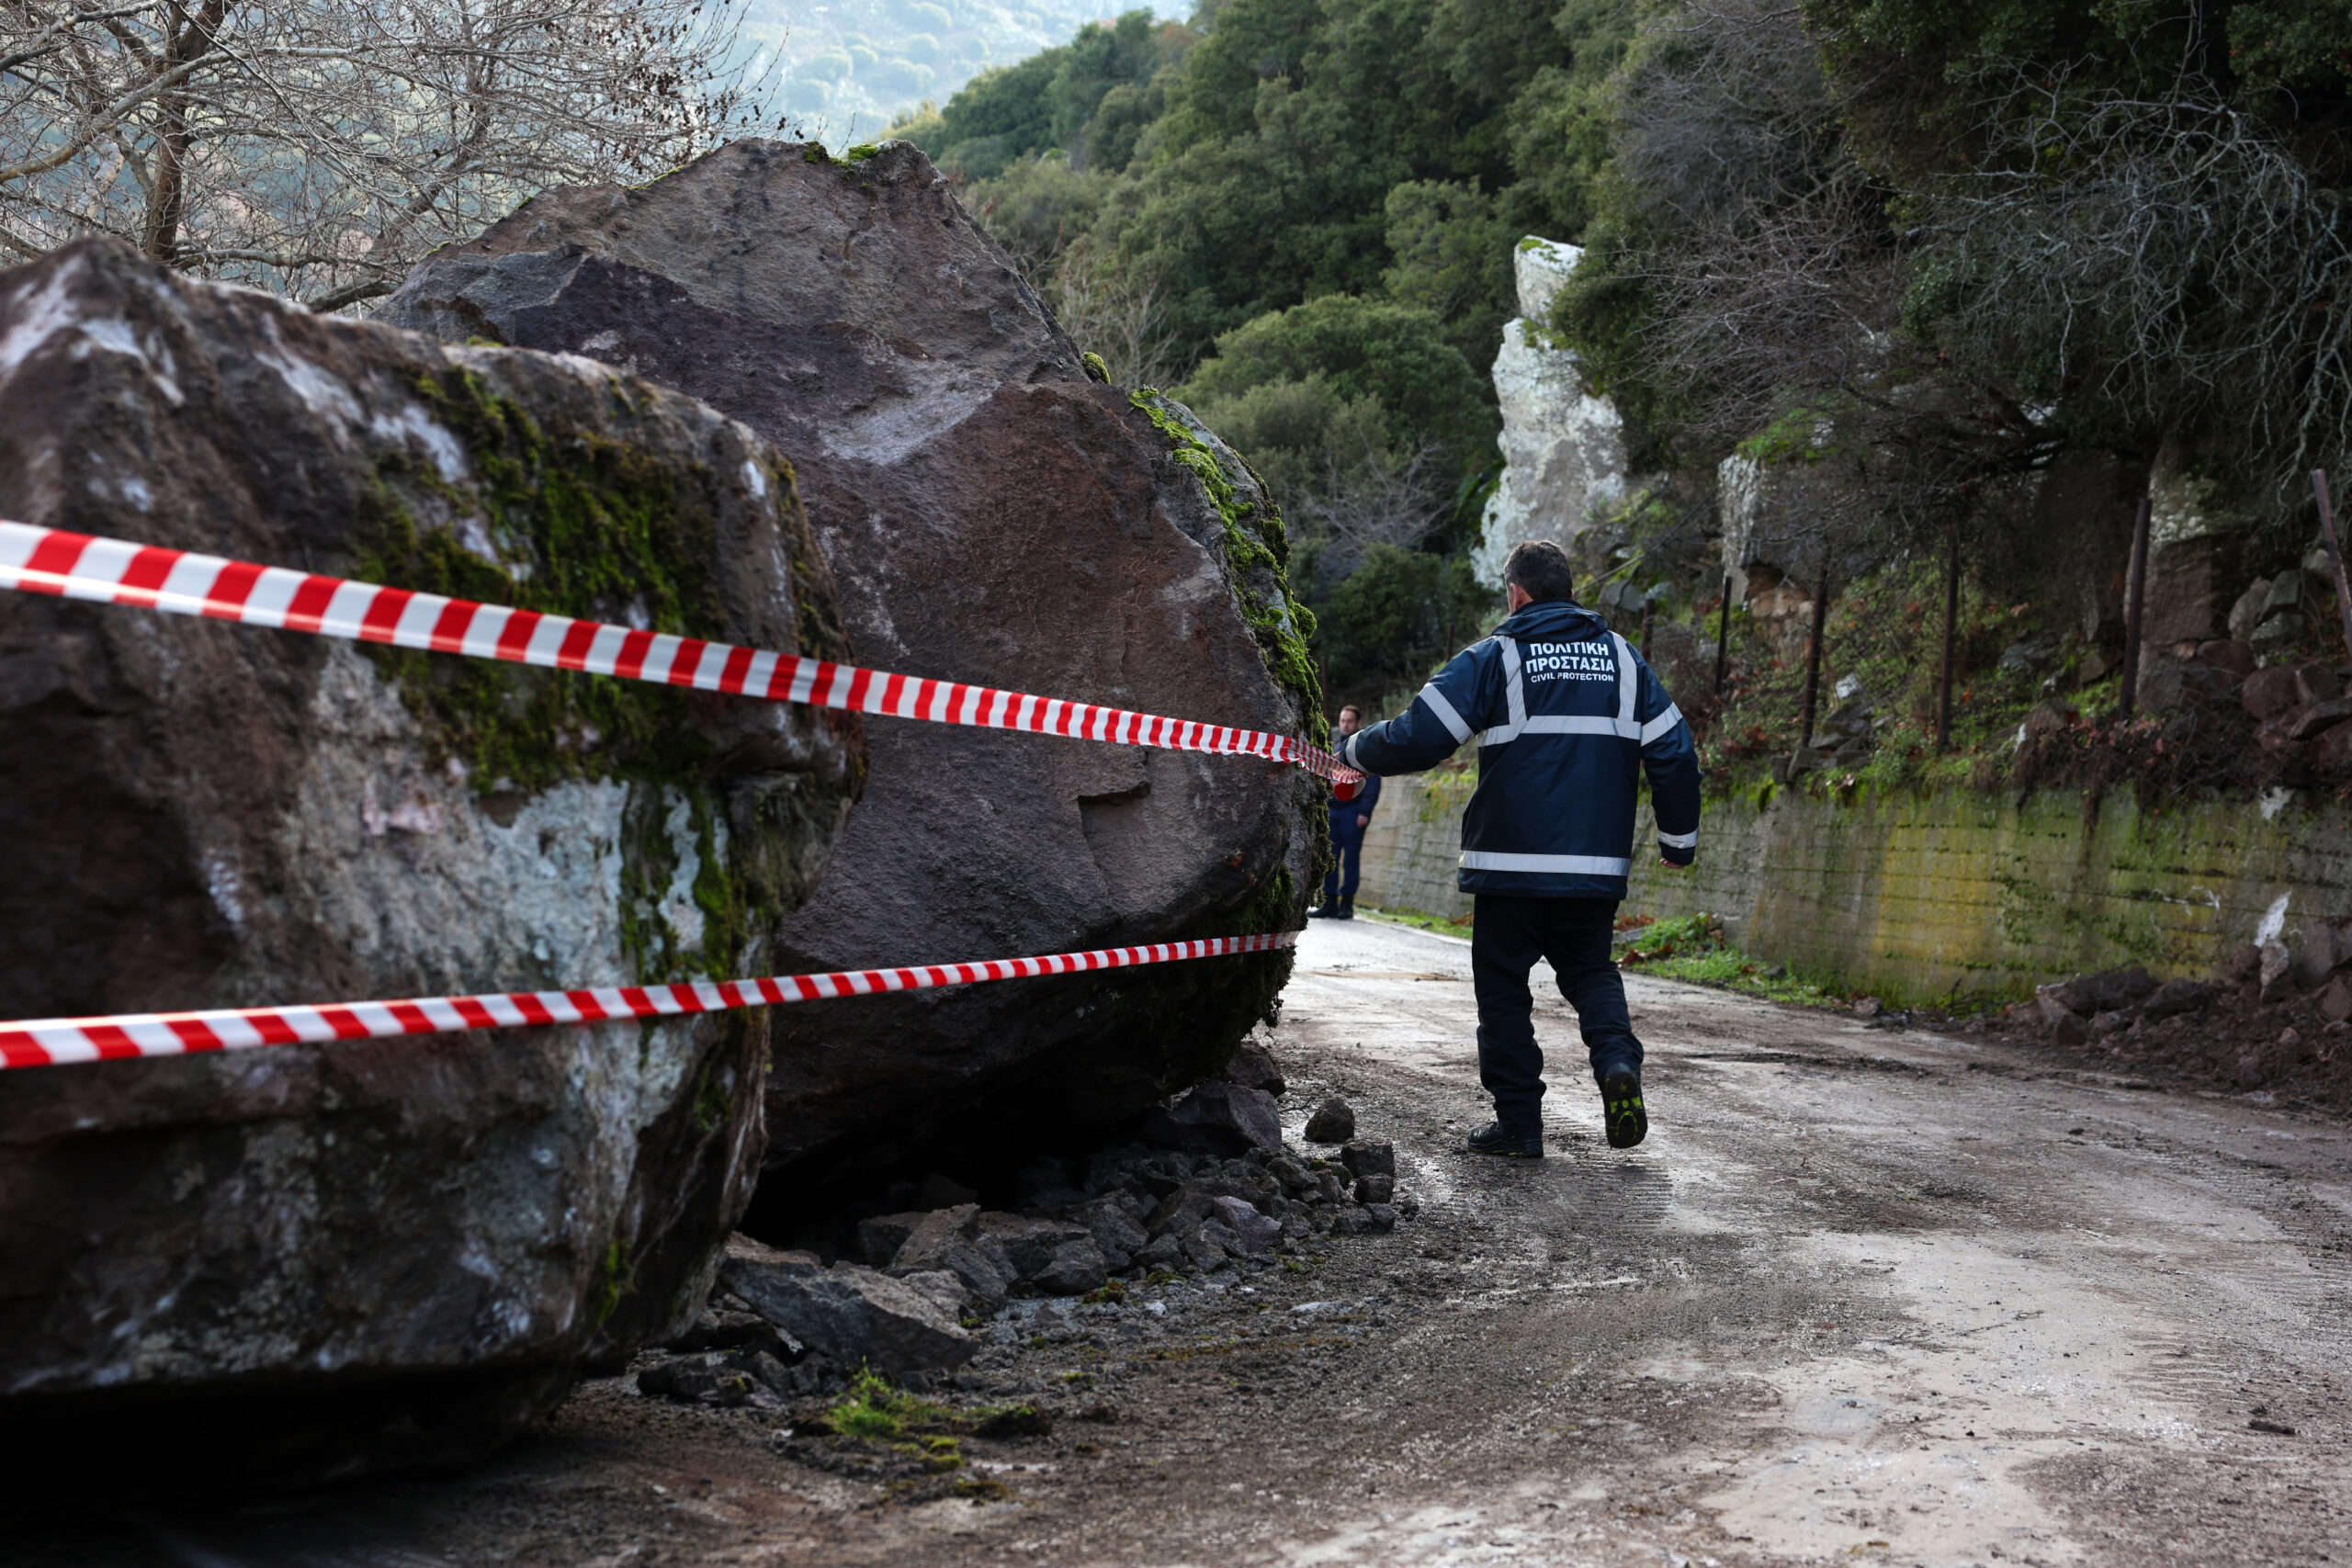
x=1374 y=499
x=1117 y=314
x=2162 y=261
x=321 y=147
x=1769 y=267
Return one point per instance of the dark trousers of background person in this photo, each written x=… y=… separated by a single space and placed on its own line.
x=1510 y=935
x=1347 y=868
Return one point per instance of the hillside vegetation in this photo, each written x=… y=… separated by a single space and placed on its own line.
x=1931 y=282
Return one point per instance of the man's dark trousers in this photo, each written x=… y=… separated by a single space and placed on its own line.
x=1347 y=860
x=1506 y=938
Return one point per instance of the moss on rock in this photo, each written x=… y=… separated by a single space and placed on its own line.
x=1257 y=554
x=573 y=521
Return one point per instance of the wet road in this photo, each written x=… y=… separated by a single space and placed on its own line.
x=1870 y=1295
x=1893 y=1294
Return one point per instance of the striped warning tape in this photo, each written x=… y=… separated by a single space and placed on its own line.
x=115 y=571
x=82 y=566
x=56 y=1041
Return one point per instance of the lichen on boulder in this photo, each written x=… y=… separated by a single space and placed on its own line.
x=375 y=1252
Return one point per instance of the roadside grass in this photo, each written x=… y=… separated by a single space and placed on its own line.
x=1688 y=947
x=1420 y=922
x=1693 y=948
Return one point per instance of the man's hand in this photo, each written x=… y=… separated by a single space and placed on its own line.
x=1362 y=821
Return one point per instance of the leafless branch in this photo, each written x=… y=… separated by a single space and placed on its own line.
x=319 y=147
x=1115 y=312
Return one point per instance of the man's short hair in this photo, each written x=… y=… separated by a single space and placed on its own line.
x=1350 y=708
x=1541 y=568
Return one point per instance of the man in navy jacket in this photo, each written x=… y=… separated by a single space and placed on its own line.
x=1349 y=820
x=1566 y=717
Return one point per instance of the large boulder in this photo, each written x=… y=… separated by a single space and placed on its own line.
x=996 y=515
x=302 y=1261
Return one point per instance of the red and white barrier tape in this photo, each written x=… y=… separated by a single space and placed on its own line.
x=56 y=1041
x=115 y=571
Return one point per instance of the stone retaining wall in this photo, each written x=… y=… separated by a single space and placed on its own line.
x=1921 y=898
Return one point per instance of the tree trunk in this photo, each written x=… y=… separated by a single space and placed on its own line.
x=1951 y=626
x=159 y=233
x=1723 y=638
x=2134 y=604
x=2334 y=554
x=1813 y=654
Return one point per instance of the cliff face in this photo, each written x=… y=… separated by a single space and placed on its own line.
x=994 y=515
x=1564 y=449
x=374 y=1252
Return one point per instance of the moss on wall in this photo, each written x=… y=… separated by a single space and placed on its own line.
x=1945 y=898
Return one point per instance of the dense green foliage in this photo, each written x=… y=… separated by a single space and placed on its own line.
x=1918 y=251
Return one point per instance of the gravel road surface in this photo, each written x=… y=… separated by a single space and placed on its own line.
x=1870 y=1295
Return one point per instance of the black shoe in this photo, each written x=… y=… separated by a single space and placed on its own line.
x=1322 y=911
x=1620 y=1109
x=1347 y=908
x=1491 y=1139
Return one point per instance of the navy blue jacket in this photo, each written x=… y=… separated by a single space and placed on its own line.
x=1345 y=812
x=1566 y=717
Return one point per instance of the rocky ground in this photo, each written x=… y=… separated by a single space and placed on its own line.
x=1872 y=1293
x=2271 y=1024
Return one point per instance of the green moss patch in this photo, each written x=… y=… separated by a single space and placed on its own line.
x=580 y=525
x=573 y=521
x=1255 y=543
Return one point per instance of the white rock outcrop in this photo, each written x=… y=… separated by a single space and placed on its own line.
x=1564 y=449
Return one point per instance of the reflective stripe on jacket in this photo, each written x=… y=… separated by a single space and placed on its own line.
x=1566 y=717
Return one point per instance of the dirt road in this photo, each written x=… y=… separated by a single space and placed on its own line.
x=1875 y=1295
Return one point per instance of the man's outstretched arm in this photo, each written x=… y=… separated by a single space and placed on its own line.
x=1442 y=716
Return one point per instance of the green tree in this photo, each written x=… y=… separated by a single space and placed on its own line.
x=1395 y=354
x=1452 y=259
x=1399 y=614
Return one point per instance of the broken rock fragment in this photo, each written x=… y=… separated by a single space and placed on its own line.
x=1075 y=1267
x=1253 y=1066
x=2106 y=992
x=2278 y=971
x=2335 y=1002
x=724 y=1379
x=951 y=1239
x=1030 y=1244
x=1256 y=1232
x=1333 y=1123
x=1217 y=1118
x=1113 y=1225
x=2176 y=997
x=851 y=1313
